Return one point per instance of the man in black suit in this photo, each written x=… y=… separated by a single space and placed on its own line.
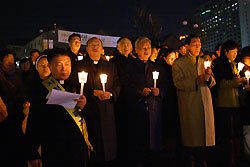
x=63 y=140
x=145 y=106
x=99 y=114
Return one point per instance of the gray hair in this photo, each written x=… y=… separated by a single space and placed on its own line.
x=141 y=40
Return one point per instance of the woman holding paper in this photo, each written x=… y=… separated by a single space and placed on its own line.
x=228 y=103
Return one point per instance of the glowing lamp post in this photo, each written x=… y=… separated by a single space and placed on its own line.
x=104 y=78
x=82 y=76
x=207 y=64
x=247 y=74
x=240 y=67
x=155 y=77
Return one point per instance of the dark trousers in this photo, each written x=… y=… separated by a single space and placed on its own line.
x=194 y=156
x=228 y=135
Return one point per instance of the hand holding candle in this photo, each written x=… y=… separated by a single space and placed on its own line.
x=155 y=77
x=82 y=76
x=240 y=67
x=247 y=74
x=104 y=78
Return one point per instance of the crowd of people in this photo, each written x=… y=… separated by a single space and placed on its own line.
x=186 y=115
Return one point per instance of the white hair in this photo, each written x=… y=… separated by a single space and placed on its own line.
x=141 y=40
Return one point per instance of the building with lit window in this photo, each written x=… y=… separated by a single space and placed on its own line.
x=221 y=20
x=58 y=38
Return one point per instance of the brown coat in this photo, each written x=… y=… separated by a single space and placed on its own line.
x=195 y=102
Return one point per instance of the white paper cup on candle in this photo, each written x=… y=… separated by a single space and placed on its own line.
x=155 y=77
x=82 y=76
x=240 y=67
x=104 y=78
x=207 y=64
x=247 y=74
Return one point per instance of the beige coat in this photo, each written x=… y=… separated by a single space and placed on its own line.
x=3 y=111
x=195 y=102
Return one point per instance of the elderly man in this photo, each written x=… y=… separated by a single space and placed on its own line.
x=60 y=131
x=193 y=83
x=144 y=114
x=99 y=113
x=121 y=60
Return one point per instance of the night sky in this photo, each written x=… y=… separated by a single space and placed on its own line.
x=22 y=20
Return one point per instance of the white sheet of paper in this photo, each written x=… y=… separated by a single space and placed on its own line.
x=63 y=98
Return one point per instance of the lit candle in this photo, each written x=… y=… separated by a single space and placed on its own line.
x=155 y=77
x=107 y=57
x=207 y=64
x=82 y=76
x=247 y=74
x=240 y=67
x=103 y=80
